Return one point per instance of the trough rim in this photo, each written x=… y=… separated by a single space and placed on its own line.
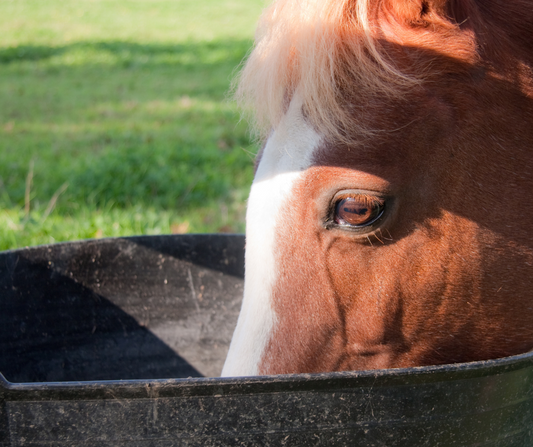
x=221 y=386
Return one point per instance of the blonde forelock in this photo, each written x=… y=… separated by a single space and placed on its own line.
x=319 y=48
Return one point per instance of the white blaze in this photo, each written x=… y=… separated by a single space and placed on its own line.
x=286 y=155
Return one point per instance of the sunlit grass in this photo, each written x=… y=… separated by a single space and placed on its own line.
x=52 y=22
x=114 y=118
x=20 y=229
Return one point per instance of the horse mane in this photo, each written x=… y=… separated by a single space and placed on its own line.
x=333 y=52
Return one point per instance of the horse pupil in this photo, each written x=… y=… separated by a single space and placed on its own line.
x=355 y=211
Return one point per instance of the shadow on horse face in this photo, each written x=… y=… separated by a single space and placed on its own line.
x=433 y=266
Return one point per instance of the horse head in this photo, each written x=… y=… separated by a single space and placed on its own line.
x=389 y=223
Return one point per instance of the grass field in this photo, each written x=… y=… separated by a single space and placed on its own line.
x=114 y=118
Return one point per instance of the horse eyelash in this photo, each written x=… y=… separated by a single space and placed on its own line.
x=367 y=199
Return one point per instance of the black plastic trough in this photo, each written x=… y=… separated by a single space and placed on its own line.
x=98 y=340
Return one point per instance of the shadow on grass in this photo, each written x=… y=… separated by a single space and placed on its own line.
x=228 y=51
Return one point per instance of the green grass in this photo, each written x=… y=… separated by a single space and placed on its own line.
x=114 y=118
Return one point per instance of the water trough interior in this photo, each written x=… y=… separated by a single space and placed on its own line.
x=123 y=308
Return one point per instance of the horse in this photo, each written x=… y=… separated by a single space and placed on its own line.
x=389 y=223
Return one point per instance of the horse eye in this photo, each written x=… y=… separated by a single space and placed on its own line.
x=358 y=210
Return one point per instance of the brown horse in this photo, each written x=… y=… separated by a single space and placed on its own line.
x=390 y=222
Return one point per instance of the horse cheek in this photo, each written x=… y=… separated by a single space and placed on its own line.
x=307 y=336
x=368 y=299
